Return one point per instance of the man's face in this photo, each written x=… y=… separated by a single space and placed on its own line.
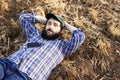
x=52 y=29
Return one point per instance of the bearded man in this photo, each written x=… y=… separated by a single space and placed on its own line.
x=42 y=50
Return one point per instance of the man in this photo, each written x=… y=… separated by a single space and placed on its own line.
x=43 y=50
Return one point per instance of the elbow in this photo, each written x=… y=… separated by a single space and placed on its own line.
x=82 y=38
x=21 y=16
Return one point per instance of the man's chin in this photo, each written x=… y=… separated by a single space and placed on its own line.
x=49 y=36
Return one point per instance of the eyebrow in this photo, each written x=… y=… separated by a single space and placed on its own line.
x=51 y=21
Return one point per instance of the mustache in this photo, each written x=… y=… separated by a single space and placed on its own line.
x=49 y=30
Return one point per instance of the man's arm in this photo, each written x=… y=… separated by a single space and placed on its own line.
x=74 y=43
x=76 y=40
x=70 y=27
x=41 y=19
x=27 y=21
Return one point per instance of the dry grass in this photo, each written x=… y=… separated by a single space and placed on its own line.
x=4 y=6
x=96 y=59
x=114 y=30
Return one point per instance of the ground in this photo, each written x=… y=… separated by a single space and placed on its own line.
x=98 y=58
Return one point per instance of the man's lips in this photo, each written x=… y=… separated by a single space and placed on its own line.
x=50 y=31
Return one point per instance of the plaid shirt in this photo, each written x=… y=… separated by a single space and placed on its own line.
x=38 y=62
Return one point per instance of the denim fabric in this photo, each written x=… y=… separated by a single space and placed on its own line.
x=10 y=71
x=1 y=72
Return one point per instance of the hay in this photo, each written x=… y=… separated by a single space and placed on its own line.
x=96 y=59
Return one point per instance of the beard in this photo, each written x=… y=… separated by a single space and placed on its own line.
x=49 y=37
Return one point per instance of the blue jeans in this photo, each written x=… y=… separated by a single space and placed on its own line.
x=10 y=71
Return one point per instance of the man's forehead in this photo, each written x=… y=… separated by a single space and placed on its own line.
x=53 y=20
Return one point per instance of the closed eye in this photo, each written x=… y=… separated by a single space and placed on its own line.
x=49 y=23
x=55 y=24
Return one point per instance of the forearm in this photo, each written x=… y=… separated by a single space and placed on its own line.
x=70 y=27
x=28 y=17
x=41 y=19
